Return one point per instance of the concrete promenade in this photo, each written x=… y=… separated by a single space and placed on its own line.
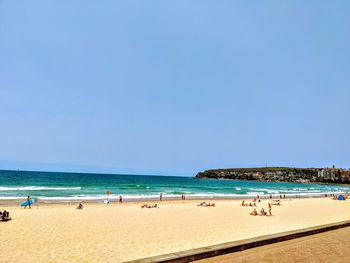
x=332 y=246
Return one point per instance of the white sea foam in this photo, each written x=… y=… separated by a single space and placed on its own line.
x=36 y=188
x=255 y=193
x=273 y=192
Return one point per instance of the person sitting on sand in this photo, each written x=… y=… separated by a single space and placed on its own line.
x=80 y=206
x=5 y=216
x=243 y=203
x=254 y=213
x=254 y=204
x=262 y=212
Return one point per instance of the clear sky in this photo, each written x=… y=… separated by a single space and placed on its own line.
x=173 y=87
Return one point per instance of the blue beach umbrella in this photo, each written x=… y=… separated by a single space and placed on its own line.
x=341 y=197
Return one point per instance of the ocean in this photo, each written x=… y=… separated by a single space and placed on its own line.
x=57 y=186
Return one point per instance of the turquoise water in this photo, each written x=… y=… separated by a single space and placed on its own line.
x=84 y=186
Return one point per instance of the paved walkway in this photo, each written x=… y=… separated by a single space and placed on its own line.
x=332 y=246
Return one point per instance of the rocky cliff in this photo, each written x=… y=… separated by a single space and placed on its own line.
x=281 y=174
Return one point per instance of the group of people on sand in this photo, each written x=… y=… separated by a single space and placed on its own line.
x=335 y=197
x=207 y=204
x=150 y=206
x=262 y=212
x=5 y=216
x=250 y=204
x=276 y=202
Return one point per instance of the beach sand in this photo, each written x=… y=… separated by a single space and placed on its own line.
x=121 y=232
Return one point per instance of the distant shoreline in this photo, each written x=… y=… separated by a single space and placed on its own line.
x=327 y=176
x=115 y=201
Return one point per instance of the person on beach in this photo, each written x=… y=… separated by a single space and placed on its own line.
x=270 y=210
x=5 y=216
x=254 y=213
x=161 y=197
x=243 y=203
x=262 y=212
x=120 y=199
x=28 y=200
x=284 y=196
x=80 y=206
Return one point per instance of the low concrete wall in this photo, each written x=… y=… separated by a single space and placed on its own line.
x=240 y=245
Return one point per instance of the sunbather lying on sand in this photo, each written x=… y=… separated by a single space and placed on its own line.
x=276 y=203
x=150 y=206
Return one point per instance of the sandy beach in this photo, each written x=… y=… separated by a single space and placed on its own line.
x=121 y=232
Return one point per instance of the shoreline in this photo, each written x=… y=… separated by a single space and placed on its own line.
x=114 y=201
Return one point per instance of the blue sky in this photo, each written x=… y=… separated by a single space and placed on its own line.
x=173 y=87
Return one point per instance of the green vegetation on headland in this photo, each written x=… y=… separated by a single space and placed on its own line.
x=281 y=174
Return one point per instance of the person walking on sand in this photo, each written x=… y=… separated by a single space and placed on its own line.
x=270 y=210
x=161 y=197
x=28 y=201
